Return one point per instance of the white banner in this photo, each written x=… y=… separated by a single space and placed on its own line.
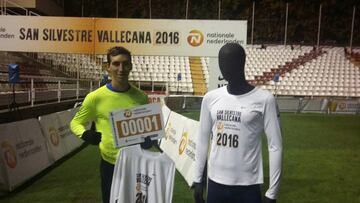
x=131 y=126
x=169 y=37
x=23 y=152
x=70 y=140
x=50 y=126
x=140 y=36
x=58 y=136
x=346 y=105
x=179 y=144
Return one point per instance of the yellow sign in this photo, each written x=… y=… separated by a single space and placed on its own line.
x=97 y=35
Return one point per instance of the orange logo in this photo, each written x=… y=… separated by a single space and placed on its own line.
x=183 y=143
x=195 y=38
x=220 y=126
x=342 y=106
x=138 y=187
x=127 y=113
x=54 y=137
x=9 y=154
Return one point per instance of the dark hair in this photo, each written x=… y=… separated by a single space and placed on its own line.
x=114 y=51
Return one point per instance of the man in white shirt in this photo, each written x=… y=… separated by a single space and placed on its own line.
x=233 y=117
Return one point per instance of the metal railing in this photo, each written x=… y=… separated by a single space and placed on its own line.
x=39 y=89
x=2 y=7
x=31 y=13
x=6 y=6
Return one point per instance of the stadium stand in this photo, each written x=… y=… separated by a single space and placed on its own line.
x=40 y=81
x=147 y=70
x=303 y=71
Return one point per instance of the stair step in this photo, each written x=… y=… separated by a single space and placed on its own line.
x=197 y=76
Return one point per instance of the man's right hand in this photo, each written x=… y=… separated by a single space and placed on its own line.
x=92 y=137
x=198 y=193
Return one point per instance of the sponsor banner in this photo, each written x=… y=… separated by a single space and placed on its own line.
x=59 y=139
x=345 y=106
x=50 y=126
x=71 y=141
x=23 y=151
x=46 y=34
x=131 y=126
x=168 y=37
x=140 y=36
x=179 y=144
x=169 y=144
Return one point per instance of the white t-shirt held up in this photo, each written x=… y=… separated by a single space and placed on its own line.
x=142 y=176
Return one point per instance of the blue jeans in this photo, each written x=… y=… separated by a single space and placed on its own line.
x=219 y=193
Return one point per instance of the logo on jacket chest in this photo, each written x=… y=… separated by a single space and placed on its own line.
x=228 y=115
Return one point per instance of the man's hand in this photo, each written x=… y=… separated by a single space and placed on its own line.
x=92 y=137
x=267 y=200
x=199 y=193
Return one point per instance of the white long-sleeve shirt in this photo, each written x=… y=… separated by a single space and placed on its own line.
x=234 y=124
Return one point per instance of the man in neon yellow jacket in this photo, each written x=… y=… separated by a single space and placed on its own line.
x=97 y=105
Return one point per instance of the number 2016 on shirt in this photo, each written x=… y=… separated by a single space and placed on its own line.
x=224 y=139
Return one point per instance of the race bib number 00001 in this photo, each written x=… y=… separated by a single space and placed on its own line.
x=131 y=126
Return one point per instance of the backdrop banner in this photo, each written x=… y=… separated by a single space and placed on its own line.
x=23 y=152
x=59 y=139
x=70 y=140
x=50 y=126
x=140 y=36
x=180 y=144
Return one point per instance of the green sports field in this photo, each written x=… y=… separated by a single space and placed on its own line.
x=321 y=165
